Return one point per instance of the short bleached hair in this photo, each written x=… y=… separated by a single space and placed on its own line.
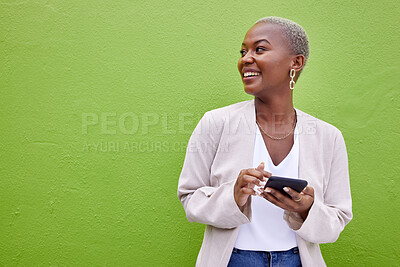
x=295 y=35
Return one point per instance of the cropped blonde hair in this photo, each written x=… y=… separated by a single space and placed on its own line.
x=295 y=35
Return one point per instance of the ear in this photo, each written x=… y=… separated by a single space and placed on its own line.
x=298 y=63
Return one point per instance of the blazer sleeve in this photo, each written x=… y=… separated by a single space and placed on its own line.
x=204 y=203
x=328 y=216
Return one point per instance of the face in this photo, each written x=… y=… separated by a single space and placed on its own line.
x=265 y=60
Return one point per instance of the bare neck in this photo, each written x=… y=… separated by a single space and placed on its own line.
x=277 y=109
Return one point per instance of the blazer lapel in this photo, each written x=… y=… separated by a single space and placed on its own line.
x=249 y=139
x=309 y=168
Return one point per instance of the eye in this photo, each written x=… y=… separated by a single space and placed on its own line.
x=260 y=48
x=242 y=52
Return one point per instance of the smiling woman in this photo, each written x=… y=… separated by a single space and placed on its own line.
x=248 y=225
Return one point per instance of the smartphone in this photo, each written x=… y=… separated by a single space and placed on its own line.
x=280 y=182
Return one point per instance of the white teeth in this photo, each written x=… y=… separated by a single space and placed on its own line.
x=247 y=74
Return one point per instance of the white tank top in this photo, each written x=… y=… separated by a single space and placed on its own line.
x=267 y=230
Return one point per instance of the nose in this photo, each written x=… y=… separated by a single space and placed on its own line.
x=247 y=59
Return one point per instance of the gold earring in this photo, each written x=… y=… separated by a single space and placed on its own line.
x=292 y=82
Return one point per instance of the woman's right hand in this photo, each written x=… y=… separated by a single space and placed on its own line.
x=246 y=181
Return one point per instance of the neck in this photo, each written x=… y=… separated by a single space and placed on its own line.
x=278 y=109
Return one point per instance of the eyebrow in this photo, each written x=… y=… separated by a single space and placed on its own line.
x=261 y=40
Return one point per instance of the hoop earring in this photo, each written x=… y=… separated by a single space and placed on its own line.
x=292 y=82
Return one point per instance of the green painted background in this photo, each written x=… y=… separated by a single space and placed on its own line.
x=98 y=100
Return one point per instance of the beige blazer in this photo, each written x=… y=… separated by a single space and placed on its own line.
x=223 y=143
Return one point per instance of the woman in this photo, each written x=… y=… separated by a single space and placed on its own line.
x=224 y=164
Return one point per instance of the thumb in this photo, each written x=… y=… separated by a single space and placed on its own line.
x=260 y=166
x=309 y=191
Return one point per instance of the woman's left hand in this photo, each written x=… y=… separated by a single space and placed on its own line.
x=299 y=202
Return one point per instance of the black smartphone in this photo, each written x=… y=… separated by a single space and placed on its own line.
x=280 y=182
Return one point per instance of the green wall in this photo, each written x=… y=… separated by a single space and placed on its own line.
x=98 y=100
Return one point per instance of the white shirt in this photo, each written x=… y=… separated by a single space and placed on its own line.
x=267 y=230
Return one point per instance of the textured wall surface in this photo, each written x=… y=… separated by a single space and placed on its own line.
x=98 y=100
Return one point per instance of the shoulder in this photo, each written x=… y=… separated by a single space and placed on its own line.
x=229 y=112
x=235 y=116
x=236 y=107
x=322 y=139
x=313 y=126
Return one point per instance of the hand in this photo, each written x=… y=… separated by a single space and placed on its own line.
x=299 y=202
x=246 y=181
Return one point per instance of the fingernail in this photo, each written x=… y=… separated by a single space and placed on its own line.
x=268 y=190
x=286 y=189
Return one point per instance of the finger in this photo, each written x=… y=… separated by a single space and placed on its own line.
x=293 y=193
x=240 y=182
x=271 y=198
x=309 y=191
x=250 y=180
x=240 y=176
x=256 y=173
x=278 y=195
x=247 y=191
x=261 y=166
x=266 y=174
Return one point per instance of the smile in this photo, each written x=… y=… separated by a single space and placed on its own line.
x=250 y=74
